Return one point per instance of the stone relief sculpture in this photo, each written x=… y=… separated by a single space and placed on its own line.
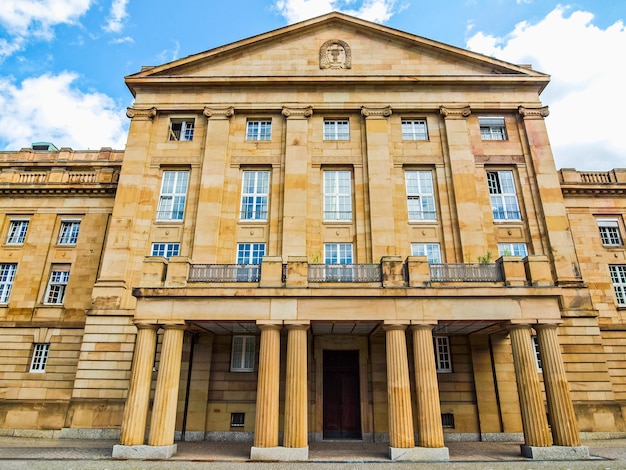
x=335 y=54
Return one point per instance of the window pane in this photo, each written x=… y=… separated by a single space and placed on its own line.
x=618 y=275
x=336 y=130
x=430 y=250
x=173 y=195
x=420 y=195
x=337 y=195
x=254 y=196
x=17 y=232
x=414 y=130
x=40 y=357
x=7 y=275
x=504 y=202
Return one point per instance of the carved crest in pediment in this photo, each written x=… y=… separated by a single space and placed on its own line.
x=335 y=54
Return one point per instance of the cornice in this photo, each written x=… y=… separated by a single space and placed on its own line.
x=17 y=189
x=593 y=190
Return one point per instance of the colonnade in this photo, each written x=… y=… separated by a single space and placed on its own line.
x=430 y=443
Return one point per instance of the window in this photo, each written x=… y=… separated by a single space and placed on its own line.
x=17 y=232
x=68 y=234
x=258 y=130
x=337 y=195
x=420 y=195
x=242 y=356
x=7 y=274
x=181 y=129
x=447 y=420
x=338 y=253
x=250 y=257
x=165 y=249
x=55 y=293
x=173 y=195
x=512 y=249
x=336 y=129
x=503 y=197
x=237 y=420
x=442 y=354
x=609 y=232
x=414 y=129
x=430 y=250
x=618 y=275
x=40 y=357
x=537 y=353
x=254 y=195
x=492 y=128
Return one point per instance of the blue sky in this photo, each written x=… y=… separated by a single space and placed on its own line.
x=62 y=62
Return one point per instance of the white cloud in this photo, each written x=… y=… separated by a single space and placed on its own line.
x=21 y=17
x=49 y=108
x=116 y=18
x=298 y=10
x=585 y=95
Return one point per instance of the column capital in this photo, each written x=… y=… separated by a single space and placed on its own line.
x=539 y=112
x=422 y=326
x=298 y=326
x=218 y=113
x=173 y=326
x=546 y=326
x=139 y=114
x=376 y=113
x=395 y=326
x=144 y=325
x=449 y=112
x=269 y=326
x=295 y=112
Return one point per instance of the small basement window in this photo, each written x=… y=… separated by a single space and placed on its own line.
x=447 y=420
x=237 y=420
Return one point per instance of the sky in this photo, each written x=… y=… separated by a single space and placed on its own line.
x=63 y=62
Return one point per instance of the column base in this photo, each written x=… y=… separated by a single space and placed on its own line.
x=143 y=452
x=281 y=454
x=419 y=454
x=555 y=452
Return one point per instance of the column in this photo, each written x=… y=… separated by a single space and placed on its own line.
x=296 y=403
x=462 y=171
x=398 y=389
x=534 y=421
x=136 y=409
x=266 y=424
x=163 y=422
x=215 y=163
x=560 y=407
x=379 y=171
x=296 y=176
x=429 y=428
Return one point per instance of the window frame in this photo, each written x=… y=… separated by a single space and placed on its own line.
x=186 y=131
x=418 y=197
x=258 y=198
x=247 y=355
x=513 y=249
x=618 y=278
x=68 y=232
x=410 y=129
x=263 y=131
x=427 y=249
x=502 y=208
x=613 y=234
x=165 y=249
x=492 y=128
x=57 y=284
x=255 y=253
x=337 y=188
x=443 y=364
x=7 y=278
x=172 y=203
x=39 y=359
x=16 y=235
x=336 y=129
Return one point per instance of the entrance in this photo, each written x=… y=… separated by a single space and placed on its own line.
x=342 y=400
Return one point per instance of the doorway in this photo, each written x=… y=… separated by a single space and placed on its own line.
x=342 y=400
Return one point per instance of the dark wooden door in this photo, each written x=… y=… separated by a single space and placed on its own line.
x=342 y=400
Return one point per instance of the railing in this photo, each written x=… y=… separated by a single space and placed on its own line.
x=595 y=177
x=345 y=273
x=81 y=178
x=29 y=177
x=224 y=273
x=463 y=272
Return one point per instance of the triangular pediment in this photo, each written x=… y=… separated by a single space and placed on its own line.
x=334 y=47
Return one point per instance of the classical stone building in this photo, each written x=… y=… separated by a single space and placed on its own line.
x=334 y=230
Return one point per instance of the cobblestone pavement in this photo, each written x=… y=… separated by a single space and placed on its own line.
x=18 y=453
